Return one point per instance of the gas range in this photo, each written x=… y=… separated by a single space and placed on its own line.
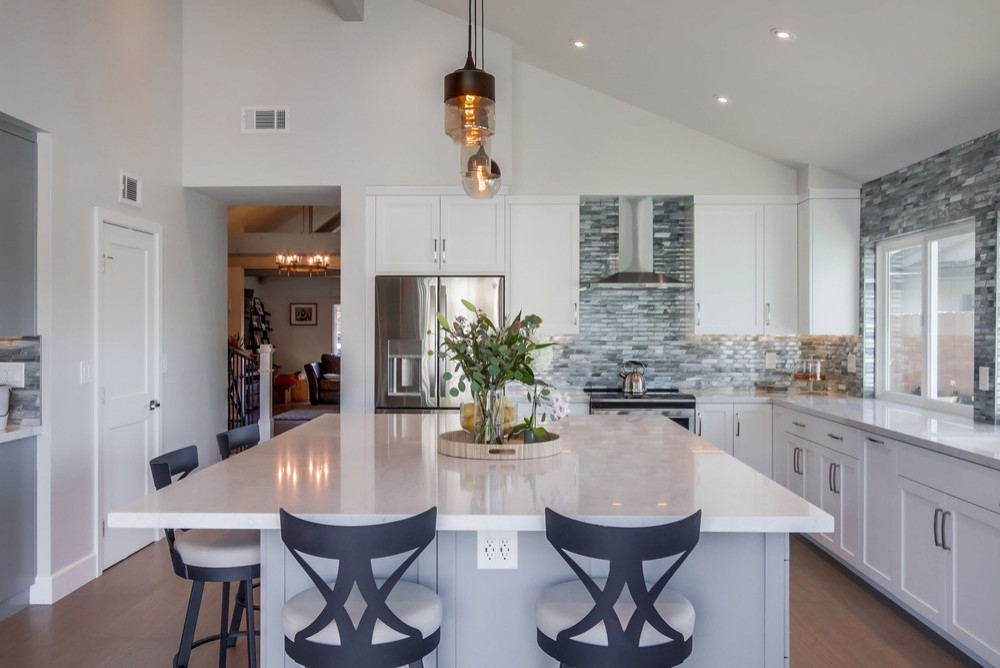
x=668 y=402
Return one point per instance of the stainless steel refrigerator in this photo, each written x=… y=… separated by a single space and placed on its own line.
x=408 y=369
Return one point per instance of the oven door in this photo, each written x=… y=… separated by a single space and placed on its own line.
x=682 y=416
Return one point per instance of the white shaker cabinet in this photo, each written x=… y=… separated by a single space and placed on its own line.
x=879 y=510
x=752 y=436
x=741 y=430
x=839 y=495
x=829 y=223
x=714 y=423
x=439 y=234
x=923 y=564
x=727 y=254
x=544 y=271
x=973 y=539
x=745 y=268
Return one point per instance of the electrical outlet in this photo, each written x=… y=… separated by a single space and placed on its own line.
x=852 y=363
x=12 y=374
x=496 y=549
x=770 y=360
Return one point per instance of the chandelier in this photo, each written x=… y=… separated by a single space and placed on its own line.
x=469 y=114
x=293 y=263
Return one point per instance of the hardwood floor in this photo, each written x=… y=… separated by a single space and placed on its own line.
x=131 y=616
x=837 y=622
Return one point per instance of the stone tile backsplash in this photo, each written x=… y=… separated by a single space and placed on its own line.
x=26 y=402
x=959 y=183
x=656 y=326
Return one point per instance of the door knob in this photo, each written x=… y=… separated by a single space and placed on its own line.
x=153 y=404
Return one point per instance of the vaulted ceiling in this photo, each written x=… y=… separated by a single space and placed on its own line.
x=867 y=86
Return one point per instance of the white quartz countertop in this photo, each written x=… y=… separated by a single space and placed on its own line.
x=617 y=469
x=17 y=432
x=945 y=433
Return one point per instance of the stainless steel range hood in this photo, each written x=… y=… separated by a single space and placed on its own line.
x=635 y=249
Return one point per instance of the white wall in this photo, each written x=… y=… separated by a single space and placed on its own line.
x=571 y=140
x=295 y=345
x=104 y=78
x=366 y=108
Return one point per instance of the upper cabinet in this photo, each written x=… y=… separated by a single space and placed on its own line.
x=439 y=234
x=745 y=267
x=544 y=272
x=829 y=252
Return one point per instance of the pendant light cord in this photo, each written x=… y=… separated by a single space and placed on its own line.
x=470 y=29
x=482 y=34
x=475 y=35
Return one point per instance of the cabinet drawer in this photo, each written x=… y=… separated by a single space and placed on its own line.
x=970 y=482
x=845 y=440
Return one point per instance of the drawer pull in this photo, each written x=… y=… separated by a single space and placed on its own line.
x=799 y=424
x=874 y=440
x=835 y=437
x=937 y=514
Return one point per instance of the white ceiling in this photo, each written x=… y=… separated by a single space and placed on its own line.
x=867 y=87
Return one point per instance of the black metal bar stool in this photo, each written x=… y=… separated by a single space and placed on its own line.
x=357 y=620
x=237 y=440
x=620 y=620
x=209 y=555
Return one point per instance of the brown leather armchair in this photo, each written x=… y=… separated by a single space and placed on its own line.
x=324 y=380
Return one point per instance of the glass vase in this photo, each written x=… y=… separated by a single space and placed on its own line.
x=489 y=421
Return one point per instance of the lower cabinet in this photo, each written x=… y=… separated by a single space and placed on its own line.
x=949 y=565
x=742 y=430
x=879 y=510
x=918 y=524
x=839 y=495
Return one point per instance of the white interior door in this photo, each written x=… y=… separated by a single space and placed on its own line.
x=129 y=379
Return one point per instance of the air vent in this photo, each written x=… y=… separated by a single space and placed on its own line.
x=265 y=119
x=130 y=190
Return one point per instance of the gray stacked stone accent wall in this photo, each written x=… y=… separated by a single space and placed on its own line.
x=26 y=402
x=656 y=326
x=961 y=182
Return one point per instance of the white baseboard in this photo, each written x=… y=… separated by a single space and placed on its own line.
x=49 y=589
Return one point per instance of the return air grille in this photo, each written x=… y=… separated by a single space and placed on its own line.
x=130 y=191
x=264 y=119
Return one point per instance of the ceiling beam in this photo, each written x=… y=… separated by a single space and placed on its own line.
x=350 y=10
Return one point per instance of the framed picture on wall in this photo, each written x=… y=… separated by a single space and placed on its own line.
x=302 y=313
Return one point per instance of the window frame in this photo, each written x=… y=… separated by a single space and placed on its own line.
x=928 y=297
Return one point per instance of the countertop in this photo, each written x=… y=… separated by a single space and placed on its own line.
x=617 y=469
x=15 y=432
x=945 y=433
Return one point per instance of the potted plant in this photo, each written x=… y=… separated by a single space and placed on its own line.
x=489 y=356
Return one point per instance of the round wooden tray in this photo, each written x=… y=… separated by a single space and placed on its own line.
x=459 y=444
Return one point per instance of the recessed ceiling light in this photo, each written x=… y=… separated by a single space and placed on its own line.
x=579 y=43
x=783 y=34
x=722 y=99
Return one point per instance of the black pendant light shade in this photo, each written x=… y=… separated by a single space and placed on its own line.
x=470 y=119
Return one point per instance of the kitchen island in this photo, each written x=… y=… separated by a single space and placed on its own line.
x=621 y=470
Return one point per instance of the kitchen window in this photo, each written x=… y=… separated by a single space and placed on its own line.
x=926 y=317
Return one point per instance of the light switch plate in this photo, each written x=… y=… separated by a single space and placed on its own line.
x=984 y=378
x=12 y=374
x=852 y=363
x=770 y=360
x=86 y=372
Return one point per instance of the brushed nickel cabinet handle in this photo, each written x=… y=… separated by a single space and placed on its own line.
x=835 y=437
x=697 y=311
x=737 y=425
x=444 y=251
x=874 y=440
x=435 y=250
x=768 y=321
x=800 y=425
x=937 y=514
x=699 y=424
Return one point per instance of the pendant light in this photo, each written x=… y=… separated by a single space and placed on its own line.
x=470 y=115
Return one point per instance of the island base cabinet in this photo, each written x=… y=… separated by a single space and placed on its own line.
x=973 y=534
x=489 y=615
